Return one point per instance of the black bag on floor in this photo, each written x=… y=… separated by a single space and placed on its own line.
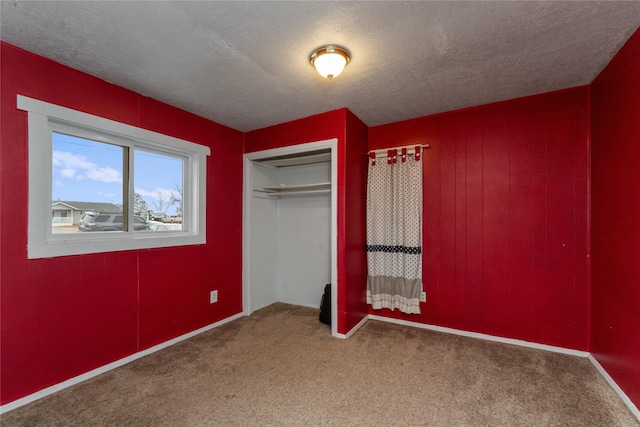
x=325 y=305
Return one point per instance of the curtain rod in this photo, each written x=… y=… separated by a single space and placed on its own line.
x=382 y=152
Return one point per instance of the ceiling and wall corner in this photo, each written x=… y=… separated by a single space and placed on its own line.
x=246 y=64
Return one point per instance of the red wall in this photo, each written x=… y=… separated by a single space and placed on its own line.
x=354 y=223
x=505 y=234
x=64 y=316
x=615 y=165
x=352 y=146
x=310 y=129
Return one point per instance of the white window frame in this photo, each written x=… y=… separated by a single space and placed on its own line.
x=42 y=117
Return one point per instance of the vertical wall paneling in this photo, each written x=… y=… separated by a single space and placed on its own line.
x=505 y=223
x=473 y=297
x=498 y=304
x=61 y=317
x=520 y=216
x=615 y=299
x=354 y=220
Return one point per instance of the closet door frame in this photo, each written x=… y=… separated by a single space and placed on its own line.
x=249 y=158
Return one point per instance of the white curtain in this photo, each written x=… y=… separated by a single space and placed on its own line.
x=394 y=218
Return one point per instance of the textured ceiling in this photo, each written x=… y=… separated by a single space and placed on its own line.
x=245 y=64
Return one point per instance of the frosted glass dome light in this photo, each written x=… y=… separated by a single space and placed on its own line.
x=330 y=60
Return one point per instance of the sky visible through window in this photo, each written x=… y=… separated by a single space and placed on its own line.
x=92 y=171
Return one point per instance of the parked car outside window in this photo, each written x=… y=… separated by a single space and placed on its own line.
x=106 y=221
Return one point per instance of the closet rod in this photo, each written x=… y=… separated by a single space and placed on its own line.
x=410 y=149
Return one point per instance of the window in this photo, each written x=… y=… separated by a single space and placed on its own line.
x=117 y=187
x=159 y=187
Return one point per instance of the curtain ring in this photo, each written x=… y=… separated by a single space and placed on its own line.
x=392 y=156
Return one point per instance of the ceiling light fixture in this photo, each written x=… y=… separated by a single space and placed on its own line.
x=330 y=60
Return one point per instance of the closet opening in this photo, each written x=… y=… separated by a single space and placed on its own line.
x=290 y=226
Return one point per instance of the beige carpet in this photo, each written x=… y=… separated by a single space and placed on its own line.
x=281 y=367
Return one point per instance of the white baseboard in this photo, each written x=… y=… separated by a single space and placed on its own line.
x=486 y=337
x=87 y=375
x=615 y=387
x=102 y=369
x=571 y=352
x=354 y=329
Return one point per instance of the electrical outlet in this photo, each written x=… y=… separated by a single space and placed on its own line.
x=423 y=297
x=213 y=297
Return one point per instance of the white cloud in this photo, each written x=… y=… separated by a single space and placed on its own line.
x=68 y=173
x=105 y=174
x=77 y=166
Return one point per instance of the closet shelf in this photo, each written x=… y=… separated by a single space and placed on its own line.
x=298 y=190
x=298 y=193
